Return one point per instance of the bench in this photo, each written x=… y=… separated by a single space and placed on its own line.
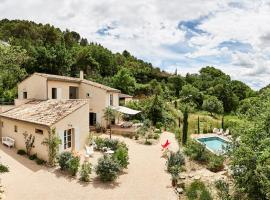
x=8 y=141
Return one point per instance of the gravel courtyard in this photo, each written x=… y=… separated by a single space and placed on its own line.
x=145 y=177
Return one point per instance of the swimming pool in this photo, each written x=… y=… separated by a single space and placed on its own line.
x=214 y=144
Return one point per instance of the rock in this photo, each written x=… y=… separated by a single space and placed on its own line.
x=179 y=190
x=190 y=175
x=182 y=176
x=197 y=177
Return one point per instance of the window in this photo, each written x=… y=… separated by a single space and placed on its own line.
x=38 y=131
x=111 y=99
x=15 y=129
x=87 y=95
x=54 y=93
x=25 y=95
x=73 y=92
x=67 y=139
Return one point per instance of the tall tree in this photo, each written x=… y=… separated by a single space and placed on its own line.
x=12 y=59
x=185 y=127
x=212 y=105
x=124 y=81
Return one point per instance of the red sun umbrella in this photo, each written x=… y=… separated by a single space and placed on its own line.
x=167 y=143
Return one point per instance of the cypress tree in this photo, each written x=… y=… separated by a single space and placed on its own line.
x=185 y=127
x=198 y=125
x=222 y=122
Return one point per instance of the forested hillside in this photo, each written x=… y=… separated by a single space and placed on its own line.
x=30 y=47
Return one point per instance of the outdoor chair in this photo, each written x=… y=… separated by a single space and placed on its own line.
x=215 y=130
x=89 y=151
x=220 y=132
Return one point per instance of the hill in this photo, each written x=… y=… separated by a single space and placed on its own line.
x=44 y=48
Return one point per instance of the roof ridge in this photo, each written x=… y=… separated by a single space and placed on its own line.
x=90 y=82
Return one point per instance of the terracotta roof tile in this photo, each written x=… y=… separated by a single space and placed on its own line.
x=44 y=112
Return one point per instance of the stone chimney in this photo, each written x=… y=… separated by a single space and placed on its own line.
x=81 y=74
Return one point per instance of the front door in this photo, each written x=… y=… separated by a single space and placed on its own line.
x=92 y=119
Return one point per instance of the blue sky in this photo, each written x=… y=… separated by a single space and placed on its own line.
x=232 y=35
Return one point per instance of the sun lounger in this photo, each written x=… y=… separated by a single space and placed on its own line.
x=215 y=130
x=220 y=132
x=227 y=132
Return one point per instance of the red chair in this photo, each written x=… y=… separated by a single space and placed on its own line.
x=167 y=143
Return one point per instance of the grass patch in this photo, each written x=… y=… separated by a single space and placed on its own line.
x=207 y=122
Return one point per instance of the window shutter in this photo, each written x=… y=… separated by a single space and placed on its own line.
x=59 y=93
x=77 y=138
x=61 y=135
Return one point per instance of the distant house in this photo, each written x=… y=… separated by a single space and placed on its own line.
x=38 y=117
x=124 y=99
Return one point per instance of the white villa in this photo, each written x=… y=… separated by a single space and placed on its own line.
x=70 y=105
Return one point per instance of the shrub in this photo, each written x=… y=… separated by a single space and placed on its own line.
x=63 y=160
x=122 y=144
x=215 y=163
x=137 y=136
x=3 y=168
x=21 y=152
x=156 y=136
x=98 y=128
x=39 y=161
x=85 y=171
x=196 y=151
x=175 y=159
x=107 y=169
x=136 y=121
x=100 y=143
x=223 y=190
x=150 y=136
x=159 y=125
x=198 y=191
x=73 y=165
x=111 y=143
x=33 y=157
x=121 y=156
x=147 y=142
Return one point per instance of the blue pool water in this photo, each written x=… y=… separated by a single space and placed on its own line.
x=216 y=144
